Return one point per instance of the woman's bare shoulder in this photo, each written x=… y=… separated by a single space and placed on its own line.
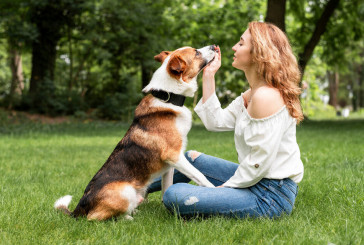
x=265 y=102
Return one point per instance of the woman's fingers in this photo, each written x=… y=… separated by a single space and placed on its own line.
x=214 y=66
x=219 y=52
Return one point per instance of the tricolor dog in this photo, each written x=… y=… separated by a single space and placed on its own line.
x=153 y=145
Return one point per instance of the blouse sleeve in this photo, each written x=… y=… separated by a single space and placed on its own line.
x=214 y=117
x=263 y=138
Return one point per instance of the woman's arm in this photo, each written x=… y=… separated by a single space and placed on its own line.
x=209 y=108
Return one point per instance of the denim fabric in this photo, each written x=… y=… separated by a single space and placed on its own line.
x=268 y=198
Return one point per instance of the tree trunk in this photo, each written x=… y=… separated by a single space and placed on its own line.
x=276 y=13
x=17 y=78
x=43 y=64
x=70 y=50
x=316 y=35
x=49 y=18
x=333 y=78
x=361 y=87
x=356 y=88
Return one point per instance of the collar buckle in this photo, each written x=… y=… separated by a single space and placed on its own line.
x=169 y=97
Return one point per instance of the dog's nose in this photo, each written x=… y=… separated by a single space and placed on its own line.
x=213 y=47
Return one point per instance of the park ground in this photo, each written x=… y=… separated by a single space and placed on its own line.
x=42 y=159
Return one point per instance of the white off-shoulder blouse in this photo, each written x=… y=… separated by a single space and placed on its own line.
x=267 y=147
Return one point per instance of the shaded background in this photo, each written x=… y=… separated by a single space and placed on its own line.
x=91 y=58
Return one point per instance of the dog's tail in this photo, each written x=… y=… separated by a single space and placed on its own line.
x=62 y=204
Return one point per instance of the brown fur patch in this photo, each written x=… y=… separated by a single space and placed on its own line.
x=162 y=56
x=111 y=202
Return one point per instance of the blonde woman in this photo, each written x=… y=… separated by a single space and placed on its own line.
x=264 y=118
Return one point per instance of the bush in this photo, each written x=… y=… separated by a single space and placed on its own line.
x=117 y=106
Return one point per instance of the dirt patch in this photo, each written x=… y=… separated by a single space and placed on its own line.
x=47 y=119
x=19 y=116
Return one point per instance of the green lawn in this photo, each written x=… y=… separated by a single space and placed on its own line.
x=40 y=163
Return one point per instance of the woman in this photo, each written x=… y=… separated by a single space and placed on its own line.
x=264 y=121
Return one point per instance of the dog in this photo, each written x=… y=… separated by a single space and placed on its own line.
x=153 y=145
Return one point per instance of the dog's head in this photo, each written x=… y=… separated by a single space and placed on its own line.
x=179 y=69
x=186 y=63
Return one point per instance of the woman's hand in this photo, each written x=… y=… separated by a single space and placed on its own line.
x=208 y=77
x=214 y=66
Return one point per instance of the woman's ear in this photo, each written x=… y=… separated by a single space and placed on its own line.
x=162 y=56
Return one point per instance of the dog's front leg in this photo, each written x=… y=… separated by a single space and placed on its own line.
x=167 y=180
x=185 y=167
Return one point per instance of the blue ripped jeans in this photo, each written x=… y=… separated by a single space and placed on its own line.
x=268 y=198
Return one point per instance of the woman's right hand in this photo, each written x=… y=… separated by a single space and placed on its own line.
x=214 y=66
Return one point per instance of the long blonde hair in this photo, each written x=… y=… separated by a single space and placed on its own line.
x=277 y=64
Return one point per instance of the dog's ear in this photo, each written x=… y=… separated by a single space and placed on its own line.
x=160 y=57
x=176 y=65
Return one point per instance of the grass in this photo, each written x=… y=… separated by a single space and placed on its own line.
x=41 y=162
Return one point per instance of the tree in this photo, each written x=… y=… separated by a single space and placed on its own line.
x=49 y=17
x=343 y=50
x=276 y=13
x=18 y=33
x=320 y=28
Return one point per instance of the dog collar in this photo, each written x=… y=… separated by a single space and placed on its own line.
x=175 y=99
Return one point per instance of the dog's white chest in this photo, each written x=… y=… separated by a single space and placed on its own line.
x=184 y=121
x=183 y=124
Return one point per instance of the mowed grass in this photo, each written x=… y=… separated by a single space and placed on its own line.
x=40 y=163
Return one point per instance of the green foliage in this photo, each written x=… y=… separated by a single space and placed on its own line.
x=342 y=42
x=101 y=45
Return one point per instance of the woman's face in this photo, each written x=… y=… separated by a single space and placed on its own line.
x=242 y=55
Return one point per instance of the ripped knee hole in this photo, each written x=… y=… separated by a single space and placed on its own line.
x=194 y=154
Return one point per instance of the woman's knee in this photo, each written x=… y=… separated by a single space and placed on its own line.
x=172 y=195
x=179 y=197
x=173 y=192
x=191 y=155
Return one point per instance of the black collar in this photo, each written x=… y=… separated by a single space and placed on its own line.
x=175 y=99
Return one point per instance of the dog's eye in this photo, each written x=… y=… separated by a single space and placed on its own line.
x=198 y=52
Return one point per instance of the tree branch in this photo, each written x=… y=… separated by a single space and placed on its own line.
x=319 y=30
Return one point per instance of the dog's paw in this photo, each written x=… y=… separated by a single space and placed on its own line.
x=140 y=199
x=128 y=217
